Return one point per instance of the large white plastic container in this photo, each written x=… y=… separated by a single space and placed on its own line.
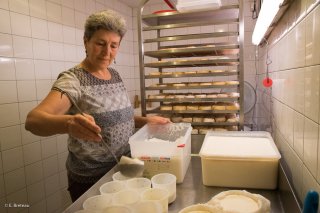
x=240 y=159
x=163 y=155
x=191 y=5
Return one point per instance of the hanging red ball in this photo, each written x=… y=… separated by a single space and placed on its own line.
x=267 y=82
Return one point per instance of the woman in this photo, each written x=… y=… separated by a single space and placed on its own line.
x=99 y=91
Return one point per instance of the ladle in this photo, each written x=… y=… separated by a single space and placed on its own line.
x=127 y=166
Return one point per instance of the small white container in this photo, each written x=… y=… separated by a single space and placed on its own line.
x=166 y=181
x=157 y=195
x=112 y=187
x=239 y=159
x=126 y=197
x=120 y=177
x=139 y=184
x=117 y=209
x=97 y=203
x=148 y=206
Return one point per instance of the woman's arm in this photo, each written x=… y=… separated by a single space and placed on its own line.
x=48 y=118
x=141 y=121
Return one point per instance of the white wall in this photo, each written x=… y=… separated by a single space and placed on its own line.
x=294 y=97
x=38 y=40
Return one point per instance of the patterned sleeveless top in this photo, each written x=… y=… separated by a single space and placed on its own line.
x=108 y=102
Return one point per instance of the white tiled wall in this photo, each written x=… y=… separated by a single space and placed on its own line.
x=38 y=40
x=294 y=51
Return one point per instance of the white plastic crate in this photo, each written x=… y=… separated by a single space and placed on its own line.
x=163 y=155
x=240 y=159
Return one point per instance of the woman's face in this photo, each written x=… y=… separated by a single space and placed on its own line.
x=102 y=48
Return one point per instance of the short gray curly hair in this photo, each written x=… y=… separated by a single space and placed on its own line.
x=107 y=20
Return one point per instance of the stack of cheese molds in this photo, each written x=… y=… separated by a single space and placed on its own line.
x=163 y=148
x=240 y=159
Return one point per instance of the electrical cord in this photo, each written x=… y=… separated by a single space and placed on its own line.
x=268 y=62
x=254 y=11
x=254 y=124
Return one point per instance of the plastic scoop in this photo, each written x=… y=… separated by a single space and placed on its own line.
x=127 y=166
x=131 y=167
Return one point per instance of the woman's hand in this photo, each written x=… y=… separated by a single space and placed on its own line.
x=157 y=120
x=51 y=117
x=84 y=127
x=141 y=121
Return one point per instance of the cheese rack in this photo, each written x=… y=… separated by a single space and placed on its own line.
x=193 y=65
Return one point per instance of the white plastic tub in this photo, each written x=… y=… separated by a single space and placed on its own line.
x=163 y=156
x=239 y=159
x=184 y=5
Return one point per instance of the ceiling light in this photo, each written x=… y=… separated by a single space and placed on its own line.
x=268 y=12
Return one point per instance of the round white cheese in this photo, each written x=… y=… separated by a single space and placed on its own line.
x=239 y=203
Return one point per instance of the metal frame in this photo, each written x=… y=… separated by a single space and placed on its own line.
x=141 y=58
x=241 y=64
x=161 y=21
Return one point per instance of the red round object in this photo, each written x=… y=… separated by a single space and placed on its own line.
x=267 y=82
x=163 y=11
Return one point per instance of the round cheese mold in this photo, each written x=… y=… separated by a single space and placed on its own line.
x=240 y=201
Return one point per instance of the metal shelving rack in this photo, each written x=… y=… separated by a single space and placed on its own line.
x=223 y=54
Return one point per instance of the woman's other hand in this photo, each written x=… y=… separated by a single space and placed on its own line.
x=157 y=120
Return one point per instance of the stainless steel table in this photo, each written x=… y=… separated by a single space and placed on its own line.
x=192 y=191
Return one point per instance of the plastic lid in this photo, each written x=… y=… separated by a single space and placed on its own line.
x=238 y=147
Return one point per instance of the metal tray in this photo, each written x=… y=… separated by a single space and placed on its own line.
x=190 y=87
x=192 y=100
x=215 y=123
x=195 y=51
x=194 y=62
x=157 y=110
x=191 y=36
x=191 y=16
x=193 y=24
x=186 y=74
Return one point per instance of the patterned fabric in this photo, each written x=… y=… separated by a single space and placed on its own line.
x=108 y=102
